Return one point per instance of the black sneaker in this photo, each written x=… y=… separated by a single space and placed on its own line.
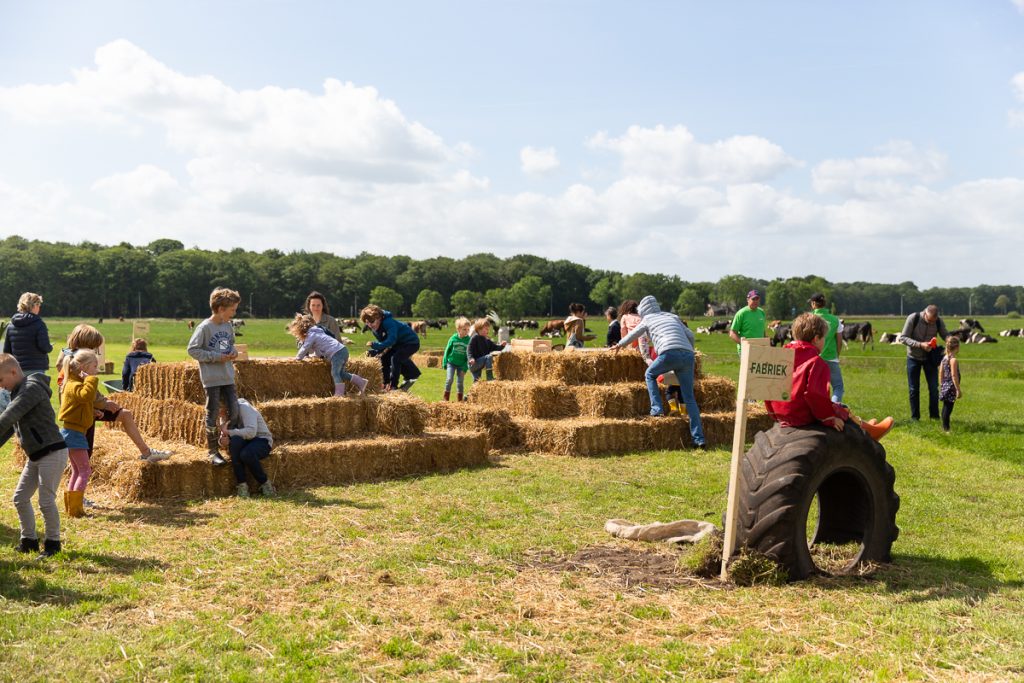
x=217 y=460
x=28 y=545
x=406 y=385
x=50 y=548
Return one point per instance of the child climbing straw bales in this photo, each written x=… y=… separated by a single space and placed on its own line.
x=213 y=346
x=811 y=400
x=455 y=361
x=480 y=349
x=315 y=341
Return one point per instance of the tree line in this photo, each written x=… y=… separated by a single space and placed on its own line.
x=165 y=279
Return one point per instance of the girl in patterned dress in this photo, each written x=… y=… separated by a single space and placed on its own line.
x=949 y=380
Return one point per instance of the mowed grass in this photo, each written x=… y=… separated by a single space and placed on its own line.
x=447 y=577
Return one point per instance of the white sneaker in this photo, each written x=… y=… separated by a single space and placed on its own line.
x=156 y=456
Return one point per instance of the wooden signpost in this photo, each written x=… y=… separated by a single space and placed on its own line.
x=140 y=330
x=766 y=374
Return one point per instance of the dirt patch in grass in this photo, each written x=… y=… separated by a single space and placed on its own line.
x=626 y=566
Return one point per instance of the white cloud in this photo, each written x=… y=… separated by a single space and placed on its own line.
x=1016 y=116
x=898 y=165
x=535 y=161
x=674 y=154
x=344 y=171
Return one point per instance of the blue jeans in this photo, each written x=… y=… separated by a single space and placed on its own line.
x=681 y=363
x=453 y=373
x=482 y=363
x=931 y=376
x=214 y=396
x=247 y=454
x=836 y=380
x=338 y=361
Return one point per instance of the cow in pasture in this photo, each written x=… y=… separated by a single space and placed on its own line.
x=889 y=338
x=972 y=324
x=703 y=330
x=720 y=326
x=349 y=322
x=1012 y=333
x=861 y=332
x=237 y=326
x=553 y=328
x=782 y=334
x=436 y=324
x=715 y=310
x=979 y=338
x=419 y=327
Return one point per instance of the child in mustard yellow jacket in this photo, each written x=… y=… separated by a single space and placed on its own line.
x=79 y=401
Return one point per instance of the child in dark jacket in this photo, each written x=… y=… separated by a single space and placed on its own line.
x=480 y=349
x=811 y=401
x=136 y=358
x=396 y=342
x=30 y=415
x=27 y=339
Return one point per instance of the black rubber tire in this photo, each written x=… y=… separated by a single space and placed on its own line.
x=786 y=467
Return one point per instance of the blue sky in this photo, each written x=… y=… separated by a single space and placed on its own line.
x=701 y=139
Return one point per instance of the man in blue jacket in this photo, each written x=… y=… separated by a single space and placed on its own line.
x=396 y=342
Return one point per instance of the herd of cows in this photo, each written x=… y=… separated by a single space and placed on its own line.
x=969 y=332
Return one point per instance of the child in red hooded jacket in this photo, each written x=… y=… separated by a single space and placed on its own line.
x=810 y=400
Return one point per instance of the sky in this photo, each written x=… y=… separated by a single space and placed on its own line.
x=868 y=141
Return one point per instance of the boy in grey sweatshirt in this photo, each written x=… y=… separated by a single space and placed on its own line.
x=30 y=415
x=213 y=345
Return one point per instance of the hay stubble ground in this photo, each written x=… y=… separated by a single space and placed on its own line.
x=463 y=576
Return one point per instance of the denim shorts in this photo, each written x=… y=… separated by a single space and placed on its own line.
x=74 y=439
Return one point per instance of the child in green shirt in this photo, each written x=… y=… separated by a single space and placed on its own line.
x=456 y=359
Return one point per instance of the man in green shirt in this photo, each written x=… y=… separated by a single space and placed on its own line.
x=749 y=322
x=833 y=342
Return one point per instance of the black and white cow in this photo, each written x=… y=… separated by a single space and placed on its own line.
x=972 y=324
x=1012 y=333
x=889 y=338
x=861 y=332
x=720 y=326
x=783 y=333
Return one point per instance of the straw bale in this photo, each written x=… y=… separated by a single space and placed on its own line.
x=622 y=400
x=494 y=423
x=427 y=360
x=715 y=394
x=168 y=419
x=265 y=379
x=598 y=436
x=719 y=427
x=325 y=418
x=397 y=413
x=310 y=463
x=594 y=367
x=528 y=399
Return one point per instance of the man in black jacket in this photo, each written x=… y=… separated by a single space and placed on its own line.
x=922 y=333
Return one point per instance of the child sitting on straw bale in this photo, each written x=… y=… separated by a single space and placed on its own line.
x=247 y=445
x=455 y=361
x=673 y=343
x=88 y=337
x=811 y=401
x=138 y=356
x=396 y=342
x=480 y=349
x=213 y=345
x=30 y=415
x=314 y=340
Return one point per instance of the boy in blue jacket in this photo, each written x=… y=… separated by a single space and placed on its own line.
x=396 y=342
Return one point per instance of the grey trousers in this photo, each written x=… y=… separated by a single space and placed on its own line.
x=43 y=474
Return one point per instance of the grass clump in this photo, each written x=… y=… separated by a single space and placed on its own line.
x=752 y=568
x=704 y=558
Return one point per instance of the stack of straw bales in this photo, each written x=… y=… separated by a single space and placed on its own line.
x=586 y=404
x=188 y=474
x=318 y=438
x=428 y=358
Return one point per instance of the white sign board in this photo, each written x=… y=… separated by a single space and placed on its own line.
x=140 y=330
x=766 y=374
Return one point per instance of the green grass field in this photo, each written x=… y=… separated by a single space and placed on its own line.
x=460 y=576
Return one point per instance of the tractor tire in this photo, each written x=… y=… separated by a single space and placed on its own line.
x=782 y=472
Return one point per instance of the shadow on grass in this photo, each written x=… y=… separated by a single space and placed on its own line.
x=924 y=578
x=307 y=498
x=28 y=579
x=169 y=514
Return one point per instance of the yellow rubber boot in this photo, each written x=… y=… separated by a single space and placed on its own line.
x=75 y=503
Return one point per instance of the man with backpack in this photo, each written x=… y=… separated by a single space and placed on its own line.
x=921 y=335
